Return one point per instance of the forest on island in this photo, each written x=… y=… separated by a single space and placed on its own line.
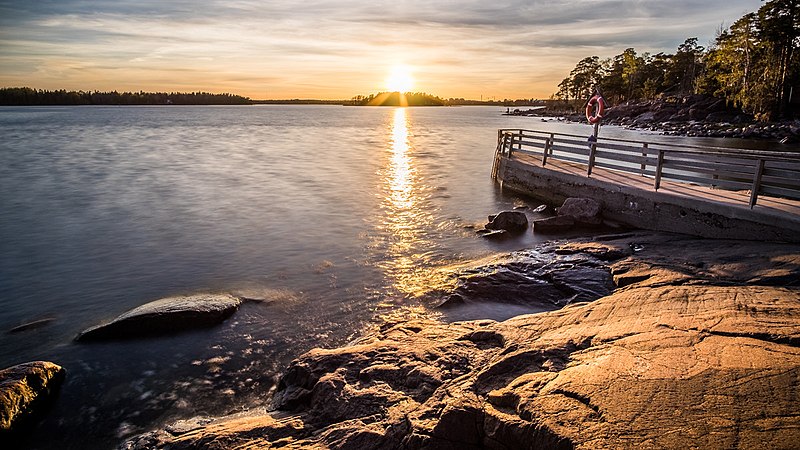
x=754 y=65
x=38 y=97
x=396 y=99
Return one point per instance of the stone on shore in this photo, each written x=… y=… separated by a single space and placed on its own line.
x=585 y=211
x=699 y=348
x=555 y=224
x=166 y=316
x=511 y=221
x=25 y=390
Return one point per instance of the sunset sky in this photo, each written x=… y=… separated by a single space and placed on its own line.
x=336 y=49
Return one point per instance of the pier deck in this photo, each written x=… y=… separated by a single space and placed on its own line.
x=659 y=187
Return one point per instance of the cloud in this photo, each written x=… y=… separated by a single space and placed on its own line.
x=335 y=48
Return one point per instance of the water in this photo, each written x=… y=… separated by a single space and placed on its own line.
x=337 y=216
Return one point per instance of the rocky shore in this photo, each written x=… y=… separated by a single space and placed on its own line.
x=676 y=342
x=695 y=115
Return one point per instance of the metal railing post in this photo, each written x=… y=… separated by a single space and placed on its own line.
x=592 y=151
x=547 y=149
x=756 y=182
x=645 y=146
x=659 y=168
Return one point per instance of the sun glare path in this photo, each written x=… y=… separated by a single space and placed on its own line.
x=406 y=218
x=400 y=79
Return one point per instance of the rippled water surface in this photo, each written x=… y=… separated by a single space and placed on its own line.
x=334 y=215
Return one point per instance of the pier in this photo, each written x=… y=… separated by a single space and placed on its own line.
x=712 y=192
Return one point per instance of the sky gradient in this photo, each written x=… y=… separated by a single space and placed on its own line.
x=336 y=49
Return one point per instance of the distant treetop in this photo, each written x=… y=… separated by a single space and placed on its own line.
x=25 y=96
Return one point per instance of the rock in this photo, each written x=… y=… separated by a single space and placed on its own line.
x=644 y=118
x=25 y=392
x=557 y=224
x=542 y=209
x=513 y=221
x=494 y=235
x=721 y=116
x=165 y=316
x=601 y=251
x=542 y=279
x=585 y=211
x=702 y=353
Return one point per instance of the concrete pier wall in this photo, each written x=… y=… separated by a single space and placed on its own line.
x=651 y=210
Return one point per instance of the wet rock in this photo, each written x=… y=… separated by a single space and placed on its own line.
x=694 y=356
x=556 y=224
x=494 y=235
x=584 y=211
x=166 y=316
x=25 y=392
x=601 y=251
x=539 y=279
x=542 y=209
x=512 y=221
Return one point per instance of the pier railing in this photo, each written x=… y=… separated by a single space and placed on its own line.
x=768 y=173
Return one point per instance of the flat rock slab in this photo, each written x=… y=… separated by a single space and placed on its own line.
x=24 y=392
x=166 y=316
x=556 y=224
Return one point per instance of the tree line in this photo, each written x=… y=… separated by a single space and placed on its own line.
x=754 y=65
x=31 y=97
x=396 y=99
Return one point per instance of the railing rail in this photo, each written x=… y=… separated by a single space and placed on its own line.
x=760 y=172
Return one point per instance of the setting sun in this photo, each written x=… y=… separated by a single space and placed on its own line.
x=400 y=79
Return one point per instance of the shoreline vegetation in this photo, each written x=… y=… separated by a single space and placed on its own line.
x=26 y=96
x=677 y=115
x=753 y=66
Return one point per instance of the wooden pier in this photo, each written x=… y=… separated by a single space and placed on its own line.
x=707 y=191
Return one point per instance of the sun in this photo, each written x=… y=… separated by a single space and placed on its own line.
x=400 y=79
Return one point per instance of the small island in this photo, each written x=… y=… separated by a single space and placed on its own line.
x=396 y=99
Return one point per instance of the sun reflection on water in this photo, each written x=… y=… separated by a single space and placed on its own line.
x=408 y=221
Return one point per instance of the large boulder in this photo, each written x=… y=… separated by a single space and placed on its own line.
x=699 y=349
x=25 y=391
x=165 y=316
x=511 y=221
x=584 y=211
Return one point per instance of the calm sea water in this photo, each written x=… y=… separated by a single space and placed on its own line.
x=337 y=216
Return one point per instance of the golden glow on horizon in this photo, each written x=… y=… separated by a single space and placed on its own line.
x=400 y=79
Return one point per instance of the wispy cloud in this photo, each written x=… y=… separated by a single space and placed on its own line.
x=335 y=49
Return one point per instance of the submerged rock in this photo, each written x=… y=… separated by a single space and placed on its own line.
x=25 y=391
x=703 y=352
x=165 y=316
x=32 y=325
